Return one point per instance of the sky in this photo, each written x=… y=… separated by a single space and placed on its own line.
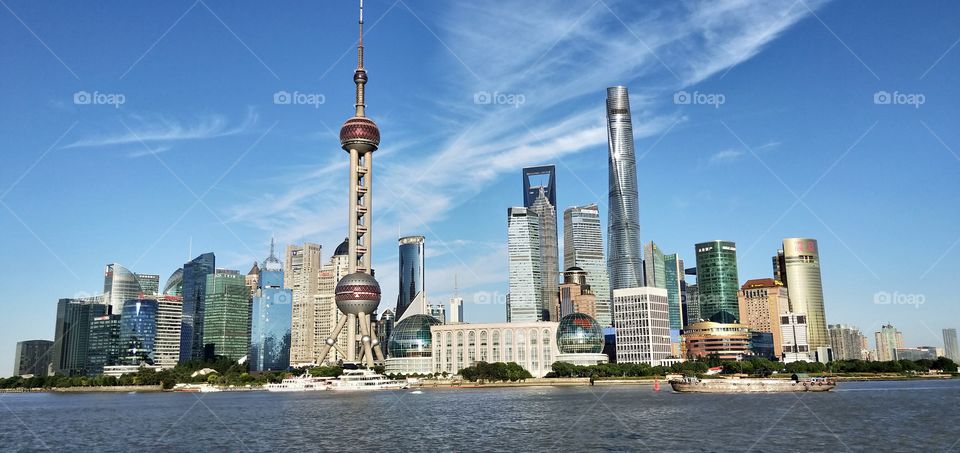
x=147 y=133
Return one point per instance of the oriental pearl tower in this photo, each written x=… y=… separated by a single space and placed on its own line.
x=358 y=293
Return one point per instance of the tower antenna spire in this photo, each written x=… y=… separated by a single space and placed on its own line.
x=360 y=75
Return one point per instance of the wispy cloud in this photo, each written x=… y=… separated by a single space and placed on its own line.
x=727 y=155
x=148 y=129
x=559 y=57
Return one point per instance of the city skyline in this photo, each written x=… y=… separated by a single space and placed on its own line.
x=857 y=276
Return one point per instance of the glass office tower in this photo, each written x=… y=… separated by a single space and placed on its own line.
x=121 y=285
x=226 y=318
x=717 y=281
x=583 y=248
x=802 y=267
x=138 y=331
x=72 y=333
x=675 y=285
x=540 y=196
x=623 y=223
x=32 y=357
x=272 y=316
x=194 y=290
x=411 y=272
x=104 y=344
x=525 y=301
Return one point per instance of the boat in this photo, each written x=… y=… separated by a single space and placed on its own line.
x=305 y=383
x=365 y=380
x=750 y=385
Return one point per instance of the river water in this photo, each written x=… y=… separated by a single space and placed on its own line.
x=858 y=416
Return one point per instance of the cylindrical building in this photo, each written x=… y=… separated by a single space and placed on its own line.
x=802 y=263
x=623 y=224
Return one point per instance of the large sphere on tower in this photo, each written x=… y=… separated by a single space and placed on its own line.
x=360 y=133
x=358 y=293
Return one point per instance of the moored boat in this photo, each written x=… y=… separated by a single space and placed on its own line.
x=305 y=383
x=365 y=380
x=749 y=385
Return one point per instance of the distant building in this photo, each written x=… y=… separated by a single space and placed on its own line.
x=576 y=296
x=693 y=305
x=326 y=308
x=917 y=353
x=761 y=345
x=793 y=333
x=72 y=333
x=311 y=315
x=227 y=316
x=847 y=342
x=194 y=291
x=272 y=312
x=166 y=351
x=532 y=345
x=728 y=341
x=717 y=281
x=760 y=303
x=174 y=285
x=105 y=348
x=802 y=263
x=676 y=290
x=525 y=275
x=623 y=224
x=411 y=272
x=540 y=196
x=121 y=285
x=642 y=321
x=456 y=309
x=138 y=331
x=32 y=357
x=385 y=325
x=438 y=311
x=583 y=248
x=149 y=284
x=888 y=339
x=654 y=268
x=950 y=348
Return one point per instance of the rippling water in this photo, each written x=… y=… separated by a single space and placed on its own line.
x=875 y=416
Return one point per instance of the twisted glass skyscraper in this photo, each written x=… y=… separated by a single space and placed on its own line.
x=623 y=224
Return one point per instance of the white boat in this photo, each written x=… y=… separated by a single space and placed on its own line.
x=305 y=383
x=365 y=380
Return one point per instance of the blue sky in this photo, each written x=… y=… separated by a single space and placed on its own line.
x=198 y=152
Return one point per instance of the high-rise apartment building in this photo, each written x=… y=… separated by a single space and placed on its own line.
x=888 y=339
x=310 y=320
x=717 y=283
x=523 y=249
x=194 y=292
x=540 y=196
x=583 y=248
x=271 y=315
x=411 y=272
x=802 y=264
x=847 y=342
x=950 y=348
x=226 y=319
x=642 y=319
x=32 y=357
x=761 y=301
x=623 y=222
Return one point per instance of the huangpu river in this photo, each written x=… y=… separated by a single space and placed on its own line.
x=858 y=416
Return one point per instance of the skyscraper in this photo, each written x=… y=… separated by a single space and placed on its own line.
x=780 y=267
x=121 y=285
x=32 y=357
x=540 y=196
x=523 y=248
x=328 y=316
x=411 y=272
x=717 y=281
x=802 y=262
x=311 y=321
x=583 y=248
x=358 y=294
x=576 y=295
x=456 y=304
x=623 y=223
x=654 y=267
x=888 y=339
x=138 y=331
x=761 y=302
x=104 y=347
x=166 y=352
x=271 y=318
x=174 y=285
x=72 y=333
x=194 y=291
x=693 y=305
x=676 y=289
x=950 y=348
x=226 y=317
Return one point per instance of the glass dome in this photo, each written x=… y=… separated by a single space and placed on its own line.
x=411 y=337
x=579 y=334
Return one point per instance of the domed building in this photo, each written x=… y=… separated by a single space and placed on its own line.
x=580 y=340
x=410 y=347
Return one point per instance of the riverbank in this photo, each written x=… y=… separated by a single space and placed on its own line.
x=91 y=389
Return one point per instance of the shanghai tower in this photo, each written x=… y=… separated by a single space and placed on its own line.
x=623 y=224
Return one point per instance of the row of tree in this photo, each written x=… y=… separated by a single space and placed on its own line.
x=495 y=372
